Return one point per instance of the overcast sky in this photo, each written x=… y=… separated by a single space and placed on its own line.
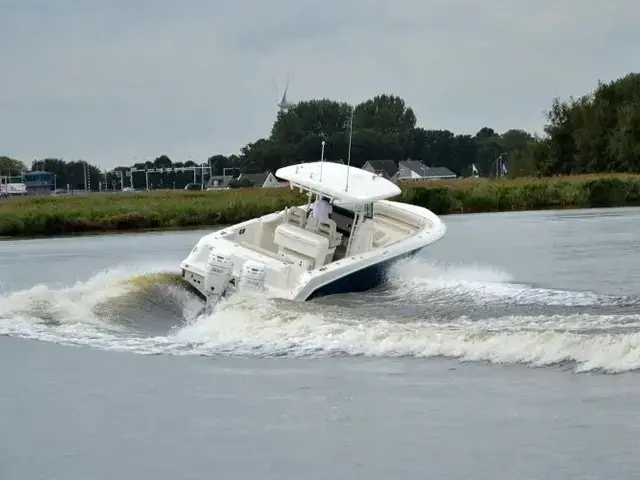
x=109 y=80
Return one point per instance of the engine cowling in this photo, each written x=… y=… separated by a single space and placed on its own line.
x=252 y=276
x=219 y=272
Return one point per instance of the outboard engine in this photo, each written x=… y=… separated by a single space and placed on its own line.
x=252 y=276
x=219 y=272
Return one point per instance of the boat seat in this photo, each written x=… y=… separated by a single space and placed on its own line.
x=293 y=239
x=311 y=225
x=296 y=216
x=326 y=228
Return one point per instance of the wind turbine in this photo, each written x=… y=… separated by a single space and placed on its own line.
x=284 y=104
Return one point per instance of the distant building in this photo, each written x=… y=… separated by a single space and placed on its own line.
x=219 y=182
x=39 y=183
x=411 y=170
x=385 y=168
x=416 y=170
x=439 y=173
x=260 y=180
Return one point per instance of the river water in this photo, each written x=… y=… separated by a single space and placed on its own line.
x=509 y=350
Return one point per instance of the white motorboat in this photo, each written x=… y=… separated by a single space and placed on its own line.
x=287 y=254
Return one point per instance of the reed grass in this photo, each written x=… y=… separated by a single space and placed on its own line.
x=54 y=215
x=483 y=195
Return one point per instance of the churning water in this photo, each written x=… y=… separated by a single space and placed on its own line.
x=428 y=308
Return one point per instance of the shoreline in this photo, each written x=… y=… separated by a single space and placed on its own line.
x=166 y=211
x=212 y=228
x=104 y=233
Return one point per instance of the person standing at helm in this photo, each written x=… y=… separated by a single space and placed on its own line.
x=321 y=208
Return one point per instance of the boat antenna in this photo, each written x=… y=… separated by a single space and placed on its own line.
x=346 y=187
x=321 y=159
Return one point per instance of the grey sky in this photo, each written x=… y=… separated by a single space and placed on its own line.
x=109 y=80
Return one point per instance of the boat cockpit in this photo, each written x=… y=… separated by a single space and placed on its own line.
x=303 y=236
x=349 y=230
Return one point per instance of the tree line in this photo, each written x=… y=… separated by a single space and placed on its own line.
x=596 y=133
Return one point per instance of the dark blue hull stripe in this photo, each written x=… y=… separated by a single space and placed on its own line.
x=361 y=280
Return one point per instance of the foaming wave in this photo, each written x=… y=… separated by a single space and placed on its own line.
x=260 y=328
x=87 y=307
x=65 y=305
x=250 y=326
x=482 y=285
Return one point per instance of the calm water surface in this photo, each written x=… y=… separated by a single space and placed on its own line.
x=507 y=351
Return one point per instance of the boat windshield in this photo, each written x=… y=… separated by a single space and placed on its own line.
x=352 y=208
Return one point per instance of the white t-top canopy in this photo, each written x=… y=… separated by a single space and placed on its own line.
x=331 y=179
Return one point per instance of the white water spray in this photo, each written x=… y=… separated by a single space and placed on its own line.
x=251 y=326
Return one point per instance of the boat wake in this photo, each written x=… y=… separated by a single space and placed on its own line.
x=425 y=310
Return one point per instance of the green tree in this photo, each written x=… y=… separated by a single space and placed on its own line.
x=322 y=118
x=624 y=145
x=218 y=163
x=597 y=132
x=162 y=161
x=385 y=114
x=515 y=139
x=264 y=155
x=438 y=148
x=76 y=176
x=11 y=167
x=489 y=148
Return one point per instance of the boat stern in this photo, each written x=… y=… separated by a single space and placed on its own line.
x=217 y=264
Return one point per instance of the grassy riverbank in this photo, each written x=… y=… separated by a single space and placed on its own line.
x=33 y=216
x=55 y=215
x=482 y=195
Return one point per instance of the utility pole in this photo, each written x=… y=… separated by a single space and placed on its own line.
x=84 y=165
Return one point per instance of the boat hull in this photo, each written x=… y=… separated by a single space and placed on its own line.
x=368 y=278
